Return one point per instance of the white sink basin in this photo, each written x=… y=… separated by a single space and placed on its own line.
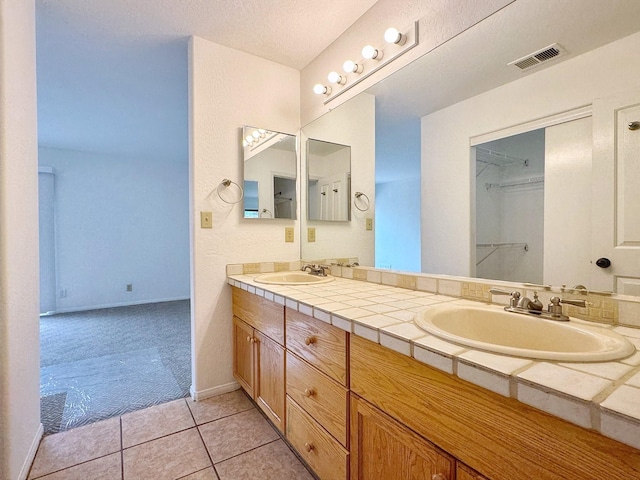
x=292 y=278
x=493 y=329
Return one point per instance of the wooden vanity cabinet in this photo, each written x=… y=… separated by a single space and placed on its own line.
x=381 y=447
x=489 y=435
x=318 y=394
x=259 y=355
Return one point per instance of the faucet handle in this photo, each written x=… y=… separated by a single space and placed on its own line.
x=515 y=295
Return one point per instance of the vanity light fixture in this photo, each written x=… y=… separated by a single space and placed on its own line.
x=393 y=36
x=352 y=67
x=371 y=53
x=335 y=77
x=320 y=89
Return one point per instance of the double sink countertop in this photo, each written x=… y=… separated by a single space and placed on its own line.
x=603 y=396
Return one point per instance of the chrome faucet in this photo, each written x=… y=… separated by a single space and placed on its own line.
x=319 y=270
x=525 y=306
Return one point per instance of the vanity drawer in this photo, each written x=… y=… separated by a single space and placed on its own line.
x=322 y=345
x=320 y=396
x=320 y=450
x=262 y=314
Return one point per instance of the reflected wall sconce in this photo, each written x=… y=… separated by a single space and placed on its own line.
x=397 y=42
x=257 y=136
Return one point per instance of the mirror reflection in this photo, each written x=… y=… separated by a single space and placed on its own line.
x=550 y=221
x=270 y=174
x=328 y=181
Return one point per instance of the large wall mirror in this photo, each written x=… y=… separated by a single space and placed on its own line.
x=270 y=174
x=488 y=169
x=328 y=181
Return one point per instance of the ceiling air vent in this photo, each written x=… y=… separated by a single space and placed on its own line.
x=541 y=56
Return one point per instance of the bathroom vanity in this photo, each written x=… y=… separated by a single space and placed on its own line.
x=353 y=408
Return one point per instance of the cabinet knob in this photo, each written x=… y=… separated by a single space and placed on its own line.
x=249 y=338
x=309 y=446
x=310 y=340
x=308 y=392
x=438 y=476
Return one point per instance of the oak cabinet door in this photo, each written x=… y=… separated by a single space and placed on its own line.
x=270 y=385
x=383 y=448
x=243 y=355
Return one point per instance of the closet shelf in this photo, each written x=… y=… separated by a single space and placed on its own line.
x=517 y=183
x=496 y=246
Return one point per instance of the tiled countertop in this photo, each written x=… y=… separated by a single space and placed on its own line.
x=602 y=396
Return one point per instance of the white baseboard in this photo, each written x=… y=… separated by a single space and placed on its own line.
x=112 y=305
x=31 y=454
x=212 y=392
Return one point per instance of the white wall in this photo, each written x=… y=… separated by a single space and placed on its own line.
x=119 y=221
x=20 y=428
x=446 y=186
x=352 y=124
x=398 y=225
x=227 y=90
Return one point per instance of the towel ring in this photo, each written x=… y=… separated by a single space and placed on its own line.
x=264 y=210
x=227 y=183
x=359 y=195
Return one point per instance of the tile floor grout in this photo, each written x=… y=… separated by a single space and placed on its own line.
x=140 y=425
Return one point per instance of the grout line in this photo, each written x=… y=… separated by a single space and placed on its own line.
x=215 y=471
x=121 y=450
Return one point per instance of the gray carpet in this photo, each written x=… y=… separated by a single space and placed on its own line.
x=103 y=363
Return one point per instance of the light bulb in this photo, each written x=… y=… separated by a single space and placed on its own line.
x=320 y=89
x=256 y=134
x=371 y=53
x=351 y=67
x=392 y=35
x=262 y=131
x=335 y=77
x=245 y=143
x=249 y=139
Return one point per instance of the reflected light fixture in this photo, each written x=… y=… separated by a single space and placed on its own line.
x=351 y=67
x=335 y=77
x=392 y=35
x=320 y=89
x=371 y=53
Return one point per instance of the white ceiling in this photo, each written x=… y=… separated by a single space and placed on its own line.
x=112 y=74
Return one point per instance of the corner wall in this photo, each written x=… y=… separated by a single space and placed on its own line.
x=20 y=428
x=229 y=89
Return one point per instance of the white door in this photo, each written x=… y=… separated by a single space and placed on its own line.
x=616 y=194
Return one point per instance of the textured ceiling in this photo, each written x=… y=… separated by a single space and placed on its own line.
x=112 y=74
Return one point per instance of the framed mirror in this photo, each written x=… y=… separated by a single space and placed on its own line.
x=328 y=181
x=429 y=113
x=270 y=174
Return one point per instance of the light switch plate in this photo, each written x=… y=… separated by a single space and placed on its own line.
x=311 y=234
x=288 y=234
x=206 y=220
x=369 y=223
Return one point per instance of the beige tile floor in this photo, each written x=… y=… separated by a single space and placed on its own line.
x=220 y=438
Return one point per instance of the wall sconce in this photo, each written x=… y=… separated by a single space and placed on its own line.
x=335 y=77
x=392 y=35
x=320 y=89
x=398 y=42
x=371 y=53
x=352 y=67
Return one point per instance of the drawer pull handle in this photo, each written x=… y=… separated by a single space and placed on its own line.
x=308 y=446
x=308 y=392
x=310 y=340
x=438 y=476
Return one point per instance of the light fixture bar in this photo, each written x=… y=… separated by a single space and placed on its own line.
x=369 y=67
